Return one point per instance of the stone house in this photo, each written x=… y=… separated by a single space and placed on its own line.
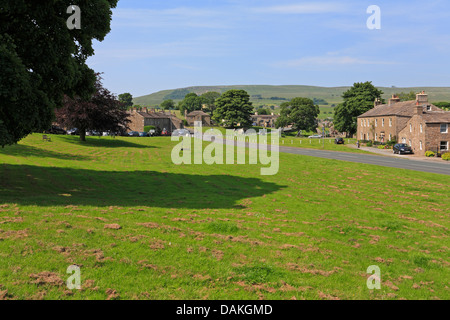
x=199 y=116
x=394 y=120
x=265 y=121
x=143 y=117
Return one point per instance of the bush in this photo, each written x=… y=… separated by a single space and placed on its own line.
x=381 y=147
x=430 y=154
x=391 y=143
x=446 y=156
x=148 y=128
x=369 y=144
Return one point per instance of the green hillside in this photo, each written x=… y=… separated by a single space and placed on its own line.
x=274 y=95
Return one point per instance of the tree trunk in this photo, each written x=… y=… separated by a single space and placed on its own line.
x=83 y=135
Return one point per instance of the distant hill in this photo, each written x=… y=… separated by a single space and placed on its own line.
x=275 y=95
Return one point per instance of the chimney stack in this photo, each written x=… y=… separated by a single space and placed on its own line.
x=394 y=99
x=421 y=98
x=146 y=110
x=418 y=110
x=377 y=102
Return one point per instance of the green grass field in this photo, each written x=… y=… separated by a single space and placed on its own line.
x=214 y=232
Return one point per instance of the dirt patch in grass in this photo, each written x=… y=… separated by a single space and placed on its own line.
x=46 y=278
x=113 y=226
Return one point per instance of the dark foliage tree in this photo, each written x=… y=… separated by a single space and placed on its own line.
x=406 y=96
x=443 y=105
x=126 y=99
x=233 y=108
x=191 y=102
x=209 y=99
x=168 y=104
x=300 y=112
x=357 y=100
x=102 y=112
x=41 y=60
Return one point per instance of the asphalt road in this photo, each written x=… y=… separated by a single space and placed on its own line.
x=384 y=161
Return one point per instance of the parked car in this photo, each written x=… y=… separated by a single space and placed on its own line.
x=316 y=136
x=339 y=141
x=402 y=148
x=133 y=134
x=73 y=132
x=143 y=134
x=57 y=130
x=181 y=133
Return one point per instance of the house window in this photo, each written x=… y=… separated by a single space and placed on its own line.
x=421 y=145
x=362 y=123
x=382 y=122
x=428 y=108
x=421 y=128
x=376 y=122
x=410 y=127
x=368 y=136
x=410 y=143
x=390 y=122
x=444 y=146
x=444 y=128
x=390 y=137
x=403 y=140
x=376 y=136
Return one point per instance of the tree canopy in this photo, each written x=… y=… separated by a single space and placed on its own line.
x=406 y=96
x=126 y=99
x=102 y=112
x=443 y=105
x=168 y=104
x=41 y=60
x=357 y=100
x=209 y=99
x=234 y=108
x=191 y=102
x=302 y=113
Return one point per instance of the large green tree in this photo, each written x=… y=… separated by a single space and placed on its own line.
x=127 y=99
x=234 y=108
x=209 y=99
x=357 y=100
x=302 y=113
x=191 y=102
x=168 y=104
x=41 y=59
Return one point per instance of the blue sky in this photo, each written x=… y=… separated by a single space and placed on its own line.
x=158 y=45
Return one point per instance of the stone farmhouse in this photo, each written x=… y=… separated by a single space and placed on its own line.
x=143 y=117
x=265 y=121
x=198 y=116
x=417 y=123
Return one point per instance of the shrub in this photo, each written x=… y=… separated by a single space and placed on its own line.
x=148 y=128
x=430 y=154
x=446 y=156
x=369 y=144
x=381 y=147
x=391 y=143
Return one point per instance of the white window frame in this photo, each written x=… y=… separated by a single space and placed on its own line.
x=390 y=137
x=390 y=122
x=446 y=127
x=382 y=122
x=421 y=145
x=446 y=147
x=421 y=128
x=376 y=136
x=410 y=127
x=376 y=122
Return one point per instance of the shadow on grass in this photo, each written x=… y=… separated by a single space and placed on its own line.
x=100 y=142
x=19 y=150
x=46 y=186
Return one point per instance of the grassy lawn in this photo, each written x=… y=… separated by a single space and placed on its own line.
x=214 y=232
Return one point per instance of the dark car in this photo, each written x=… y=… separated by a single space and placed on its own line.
x=143 y=134
x=339 y=141
x=57 y=130
x=133 y=134
x=402 y=148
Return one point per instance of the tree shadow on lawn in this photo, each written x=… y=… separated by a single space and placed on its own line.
x=19 y=150
x=49 y=186
x=100 y=142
